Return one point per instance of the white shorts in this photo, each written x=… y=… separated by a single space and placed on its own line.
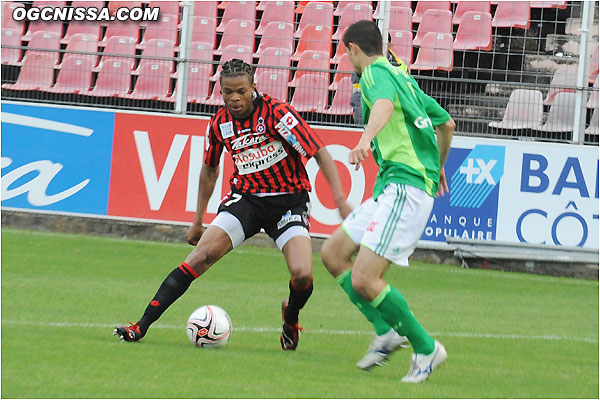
x=392 y=225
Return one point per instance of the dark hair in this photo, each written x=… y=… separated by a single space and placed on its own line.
x=366 y=35
x=237 y=67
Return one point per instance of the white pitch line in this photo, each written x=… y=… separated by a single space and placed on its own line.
x=317 y=331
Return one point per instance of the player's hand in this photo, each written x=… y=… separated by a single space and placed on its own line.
x=443 y=187
x=344 y=209
x=360 y=153
x=194 y=233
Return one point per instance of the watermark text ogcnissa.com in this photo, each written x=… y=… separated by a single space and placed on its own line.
x=65 y=14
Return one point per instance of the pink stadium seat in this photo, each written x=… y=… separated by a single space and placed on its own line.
x=153 y=83
x=229 y=53
x=113 y=6
x=350 y=14
x=89 y=28
x=561 y=114
x=311 y=59
x=238 y=33
x=119 y=46
x=215 y=99
x=238 y=10
x=75 y=75
x=205 y=9
x=277 y=34
x=113 y=80
x=344 y=70
x=204 y=30
x=164 y=29
x=474 y=32
x=166 y=7
x=88 y=3
x=302 y=5
x=423 y=6
x=548 y=4
x=45 y=40
x=340 y=52
x=273 y=82
x=157 y=48
x=276 y=11
x=37 y=73
x=7 y=20
x=315 y=13
x=274 y=57
x=340 y=104
x=394 y=4
x=343 y=3
x=42 y=4
x=122 y=29
x=402 y=45
x=436 y=21
x=400 y=19
x=11 y=37
x=523 y=111
x=199 y=78
x=314 y=37
x=55 y=28
x=311 y=93
x=512 y=14
x=81 y=42
x=436 y=53
x=563 y=80
x=463 y=7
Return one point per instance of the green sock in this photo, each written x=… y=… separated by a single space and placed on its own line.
x=365 y=307
x=394 y=309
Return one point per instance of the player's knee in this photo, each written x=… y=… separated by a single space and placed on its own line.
x=302 y=281
x=203 y=257
x=360 y=283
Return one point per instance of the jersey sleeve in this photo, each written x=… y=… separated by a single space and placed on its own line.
x=295 y=130
x=375 y=85
x=435 y=112
x=213 y=144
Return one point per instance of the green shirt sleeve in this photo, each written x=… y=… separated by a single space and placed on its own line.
x=373 y=88
x=435 y=112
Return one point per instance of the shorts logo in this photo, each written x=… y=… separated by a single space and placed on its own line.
x=253 y=160
x=372 y=225
x=226 y=129
x=287 y=218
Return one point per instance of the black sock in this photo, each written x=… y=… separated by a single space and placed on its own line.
x=176 y=283
x=297 y=300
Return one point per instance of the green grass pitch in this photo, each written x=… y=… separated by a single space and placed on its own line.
x=508 y=335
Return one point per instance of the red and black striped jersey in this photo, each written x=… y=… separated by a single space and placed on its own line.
x=266 y=148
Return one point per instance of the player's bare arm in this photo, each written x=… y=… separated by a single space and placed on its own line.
x=208 y=179
x=444 y=139
x=329 y=169
x=380 y=115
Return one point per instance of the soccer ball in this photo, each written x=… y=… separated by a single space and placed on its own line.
x=209 y=326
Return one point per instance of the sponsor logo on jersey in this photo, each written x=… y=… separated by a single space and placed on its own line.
x=422 y=123
x=247 y=141
x=287 y=218
x=226 y=129
x=253 y=160
x=284 y=128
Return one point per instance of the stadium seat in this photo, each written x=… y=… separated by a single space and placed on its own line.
x=153 y=83
x=593 y=128
x=157 y=48
x=340 y=52
x=311 y=59
x=402 y=45
x=302 y=5
x=423 y=6
x=205 y=9
x=113 y=80
x=340 y=104
x=42 y=4
x=75 y=75
x=561 y=114
x=474 y=32
x=215 y=99
x=315 y=13
x=277 y=34
x=81 y=42
x=463 y=7
x=53 y=27
x=316 y=38
x=121 y=29
x=11 y=37
x=594 y=65
x=239 y=33
x=229 y=53
x=593 y=101
x=89 y=28
x=164 y=29
x=274 y=57
x=42 y=41
x=113 y=6
x=548 y=4
x=88 y=4
x=436 y=53
x=311 y=93
x=436 y=21
x=238 y=10
x=166 y=7
x=393 y=4
x=350 y=14
x=344 y=70
x=199 y=79
x=8 y=22
x=523 y=111
x=37 y=73
x=119 y=46
x=204 y=30
x=400 y=19
x=563 y=80
x=276 y=11
x=512 y=14
x=273 y=83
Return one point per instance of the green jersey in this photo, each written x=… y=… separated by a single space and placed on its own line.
x=405 y=149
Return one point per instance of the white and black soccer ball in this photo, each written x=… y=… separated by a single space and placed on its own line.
x=209 y=326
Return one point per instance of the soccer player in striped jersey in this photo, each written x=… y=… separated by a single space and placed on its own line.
x=385 y=229
x=266 y=139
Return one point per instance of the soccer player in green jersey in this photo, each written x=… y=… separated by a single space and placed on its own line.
x=402 y=123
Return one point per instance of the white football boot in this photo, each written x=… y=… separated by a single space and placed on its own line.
x=422 y=365
x=380 y=349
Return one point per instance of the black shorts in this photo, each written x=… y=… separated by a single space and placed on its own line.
x=281 y=216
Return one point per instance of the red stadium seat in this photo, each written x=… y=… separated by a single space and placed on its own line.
x=314 y=37
x=273 y=82
x=153 y=83
x=113 y=6
x=238 y=10
x=303 y=4
x=436 y=53
x=215 y=99
x=128 y=29
x=343 y=3
x=37 y=73
x=164 y=29
x=238 y=33
x=89 y=28
x=276 y=11
x=42 y=4
x=113 y=80
x=548 y=4
x=344 y=70
x=11 y=37
x=75 y=75
x=279 y=35
x=393 y=4
x=204 y=30
x=205 y=9
x=523 y=111
x=339 y=52
x=563 y=80
x=402 y=45
x=311 y=60
x=315 y=13
x=199 y=76
x=423 y=6
x=157 y=48
x=463 y=7
x=474 y=32
x=7 y=20
x=81 y=42
x=350 y=14
x=166 y=7
x=229 y=53
x=512 y=14
x=274 y=57
x=45 y=40
x=341 y=98
x=400 y=19
x=43 y=26
x=87 y=3
x=437 y=21
x=311 y=93
x=119 y=46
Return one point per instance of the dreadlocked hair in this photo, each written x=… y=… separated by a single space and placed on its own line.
x=237 y=67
